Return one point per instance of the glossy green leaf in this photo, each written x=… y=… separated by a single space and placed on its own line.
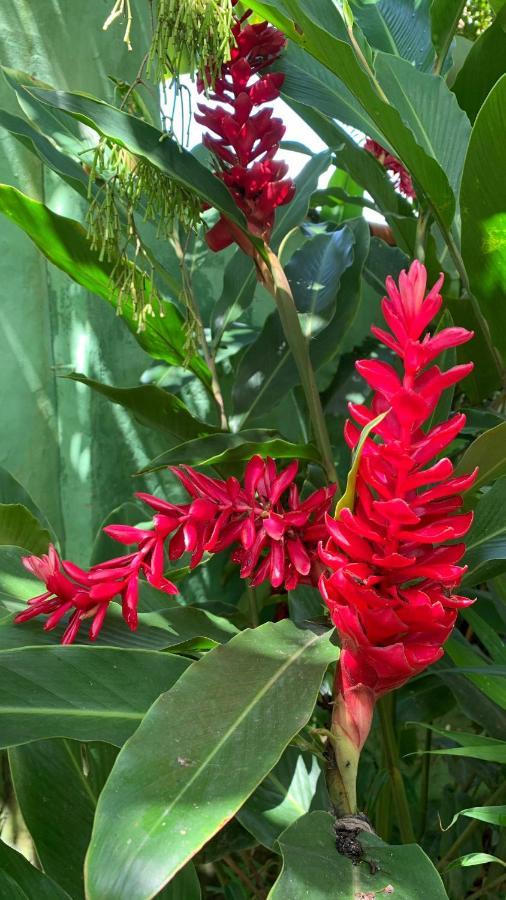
x=489 y=637
x=483 y=209
x=488 y=452
x=11 y=491
x=87 y=693
x=19 y=880
x=467 y=658
x=494 y=815
x=20 y=528
x=142 y=139
x=312 y=867
x=184 y=886
x=154 y=408
x=399 y=27
x=474 y=859
x=63 y=241
x=232 y=447
x=314 y=273
x=484 y=65
x=199 y=753
x=486 y=541
x=57 y=784
x=295 y=786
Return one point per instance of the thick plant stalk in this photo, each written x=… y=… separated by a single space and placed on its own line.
x=385 y=709
x=276 y=282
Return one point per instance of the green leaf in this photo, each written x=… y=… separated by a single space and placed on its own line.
x=295 y=785
x=19 y=528
x=63 y=241
x=474 y=859
x=483 y=67
x=465 y=657
x=156 y=146
x=483 y=209
x=340 y=59
x=19 y=880
x=399 y=27
x=87 y=693
x=306 y=182
x=154 y=408
x=477 y=746
x=491 y=640
x=494 y=815
x=70 y=776
x=240 y=446
x=347 y=501
x=314 y=273
x=488 y=452
x=199 y=753
x=445 y=15
x=184 y=886
x=486 y=541
x=313 y=868
x=11 y=491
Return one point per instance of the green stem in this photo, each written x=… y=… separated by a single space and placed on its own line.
x=253 y=607
x=424 y=787
x=277 y=284
x=443 y=53
x=471 y=828
x=421 y=234
x=487 y=888
x=386 y=713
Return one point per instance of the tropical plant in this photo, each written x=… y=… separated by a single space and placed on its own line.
x=287 y=680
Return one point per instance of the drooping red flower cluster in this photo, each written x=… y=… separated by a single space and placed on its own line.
x=275 y=536
x=393 y=165
x=245 y=134
x=394 y=558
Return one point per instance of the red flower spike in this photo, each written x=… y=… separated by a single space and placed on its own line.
x=392 y=164
x=245 y=135
x=390 y=589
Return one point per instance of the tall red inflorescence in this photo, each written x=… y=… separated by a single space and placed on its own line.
x=272 y=532
x=394 y=558
x=393 y=165
x=245 y=135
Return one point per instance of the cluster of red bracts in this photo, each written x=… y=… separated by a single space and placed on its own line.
x=275 y=536
x=245 y=137
x=390 y=565
x=393 y=165
x=394 y=558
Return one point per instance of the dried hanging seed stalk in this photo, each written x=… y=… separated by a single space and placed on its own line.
x=194 y=34
x=121 y=185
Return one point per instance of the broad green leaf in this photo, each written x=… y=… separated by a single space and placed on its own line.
x=154 y=408
x=294 y=213
x=305 y=604
x=199 y=753
x=63 y=241
x=87 y=693
x=295 y=786
x=144 y=140
x=19 y=880
x=340 y=59
x=57 y=784
x=184 y=886
x=444 y=15
x=483 y=209
x=399 y=27
x=466 y=658
x=488 y=452
x=483 y=67
x=314 y=273
x=312 y=867
x=11 y=491
x=491 y=640
x=428 y=107
x=232 y=447
x=474 y=859
x=486 y=541
x=64 y=166
x=494 y=815
x=347 y=501
x=20 y=528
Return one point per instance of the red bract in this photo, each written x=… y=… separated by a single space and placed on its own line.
x=245 y=137
x=394 y=165
x=275 y=539
x=394 y=558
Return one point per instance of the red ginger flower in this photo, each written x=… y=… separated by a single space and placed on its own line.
x=394 y=560
x=393 y=165
x=244 y=141
x=273 y=540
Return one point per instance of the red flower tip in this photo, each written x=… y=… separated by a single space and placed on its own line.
x=393 y=559
x=243 y=140
x=392 y=164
